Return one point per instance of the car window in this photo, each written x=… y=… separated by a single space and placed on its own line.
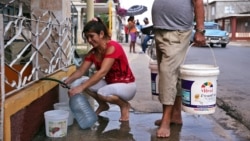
x=214 y=26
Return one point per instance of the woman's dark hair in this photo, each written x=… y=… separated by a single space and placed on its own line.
x=96 y=25
x=131 y=18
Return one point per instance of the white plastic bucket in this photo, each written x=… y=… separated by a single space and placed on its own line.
x=199 y=88
x=154 y=79
x=65 y=106
x=56 y=123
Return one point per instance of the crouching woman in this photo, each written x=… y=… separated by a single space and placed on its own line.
x=113 y=82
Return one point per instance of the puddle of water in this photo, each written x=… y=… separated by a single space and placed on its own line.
x=141 y=128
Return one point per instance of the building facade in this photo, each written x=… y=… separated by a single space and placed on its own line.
x=232 y=15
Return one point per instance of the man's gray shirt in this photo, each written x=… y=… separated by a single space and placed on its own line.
x=173 y=14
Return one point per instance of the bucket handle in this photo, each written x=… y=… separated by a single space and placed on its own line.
x=212 y=52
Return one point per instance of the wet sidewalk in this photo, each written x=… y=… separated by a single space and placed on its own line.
x=144 y=111
x=141 y=128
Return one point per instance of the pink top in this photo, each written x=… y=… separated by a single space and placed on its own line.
x=120 y=72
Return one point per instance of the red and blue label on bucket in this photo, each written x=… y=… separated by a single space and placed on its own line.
x=199 y=96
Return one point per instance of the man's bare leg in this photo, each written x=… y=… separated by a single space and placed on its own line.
x=176 y=117
x=176 y=113
x=164 y=129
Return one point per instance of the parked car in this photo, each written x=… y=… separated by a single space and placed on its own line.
x=214 y=35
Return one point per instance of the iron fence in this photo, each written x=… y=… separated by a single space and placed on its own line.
x=31 y=48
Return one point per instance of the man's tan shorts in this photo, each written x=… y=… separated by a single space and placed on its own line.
x=171 y=47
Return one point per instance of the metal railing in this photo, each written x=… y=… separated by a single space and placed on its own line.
x=31 y=48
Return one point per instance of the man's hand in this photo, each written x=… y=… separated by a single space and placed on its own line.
x=199 y=39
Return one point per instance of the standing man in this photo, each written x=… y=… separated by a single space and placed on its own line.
x=173 y=24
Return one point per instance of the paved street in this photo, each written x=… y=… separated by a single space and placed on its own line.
x=218 y=126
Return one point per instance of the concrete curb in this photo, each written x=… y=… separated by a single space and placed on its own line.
x=240 y=43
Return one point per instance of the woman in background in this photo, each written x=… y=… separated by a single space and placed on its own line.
x=132 y=32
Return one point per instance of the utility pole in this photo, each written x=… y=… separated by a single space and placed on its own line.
x=207 y=13
x=90 y=10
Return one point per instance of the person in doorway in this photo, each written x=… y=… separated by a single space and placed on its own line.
x=113 y=82
x=126 y=33
x=132 y=31
x=147 y=37
x=138 y=27
x=173 y=24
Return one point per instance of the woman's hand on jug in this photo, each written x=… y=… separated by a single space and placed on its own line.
x=64 y=83
x=75 y=90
